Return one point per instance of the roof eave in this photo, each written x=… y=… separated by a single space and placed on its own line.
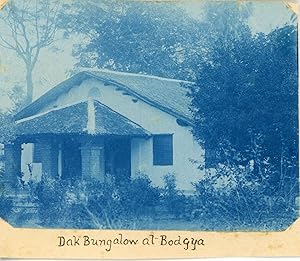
x=143 y=98
x=25 y=112
x=81 y=76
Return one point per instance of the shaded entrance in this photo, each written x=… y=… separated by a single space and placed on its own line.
x=71 y=167
x=118 y=158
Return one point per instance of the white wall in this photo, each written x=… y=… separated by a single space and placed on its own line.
x=153 y=120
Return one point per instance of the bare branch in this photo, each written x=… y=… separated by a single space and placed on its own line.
x=12 y=23
x=30 y=28
x=7 y=47
x=25 y=36
x=6 y=44
x=36 y=24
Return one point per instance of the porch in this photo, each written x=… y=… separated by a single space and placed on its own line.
x=83 y=141
x=72 y=157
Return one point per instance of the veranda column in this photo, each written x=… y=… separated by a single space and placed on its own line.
x=49 y=158
x=85 y=162
x=12 y=157
x=93 y=161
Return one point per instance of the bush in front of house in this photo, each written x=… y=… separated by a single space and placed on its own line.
x=231 y=198
x=60 y=204
x=139 y=196
x=173 y=200
x=91 y=204
x=227 y=198
x=6 y=203
x=103 y=203
x=123 y=205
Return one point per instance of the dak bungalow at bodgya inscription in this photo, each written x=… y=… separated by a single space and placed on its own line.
x=188 y=243
x=101 y=124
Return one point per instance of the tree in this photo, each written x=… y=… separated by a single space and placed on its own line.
x=152 y=38
x=221 y=72
x=245 y=103
x=27 y=28
x=7 y=122
x=222 y=23
x=245 y=109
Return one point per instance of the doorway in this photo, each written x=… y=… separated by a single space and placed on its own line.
x=118 y=158
x=71 y=160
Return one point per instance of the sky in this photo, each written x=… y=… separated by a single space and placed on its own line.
x=267 y=15
x=52 y=67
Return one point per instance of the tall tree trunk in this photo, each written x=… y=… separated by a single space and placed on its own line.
x=29 y=84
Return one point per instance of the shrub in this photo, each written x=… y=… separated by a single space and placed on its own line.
x=173 y=199
x=123 y=205
x=139 y=196
x=6 y=203
x=103 y=204
x=91 y=204
x=59 y=203
x=232 y=195
x=6 y=206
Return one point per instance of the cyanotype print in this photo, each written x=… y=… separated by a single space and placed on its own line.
x=149 y=115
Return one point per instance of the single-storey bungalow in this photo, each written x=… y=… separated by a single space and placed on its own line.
x=100 y=124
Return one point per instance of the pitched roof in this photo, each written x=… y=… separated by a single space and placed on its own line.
x=74 y=120
x=166 y=94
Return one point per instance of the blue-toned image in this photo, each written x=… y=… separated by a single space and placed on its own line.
x=149 y=115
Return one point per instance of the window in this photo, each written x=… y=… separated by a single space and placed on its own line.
x=163 y=150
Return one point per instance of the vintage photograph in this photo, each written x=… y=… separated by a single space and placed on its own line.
x=149 y=115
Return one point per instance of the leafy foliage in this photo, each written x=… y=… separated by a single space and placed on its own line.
x=173 y=199
x=231 y=195
x=94 y=204
x=245 y=108
x=137 y=37
x=7 y=123
x=245 y=105
x=120 y=206
x=7 y=128
x=6 y=202
x=60 y=203
x=6 y=205
x=226 y=199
